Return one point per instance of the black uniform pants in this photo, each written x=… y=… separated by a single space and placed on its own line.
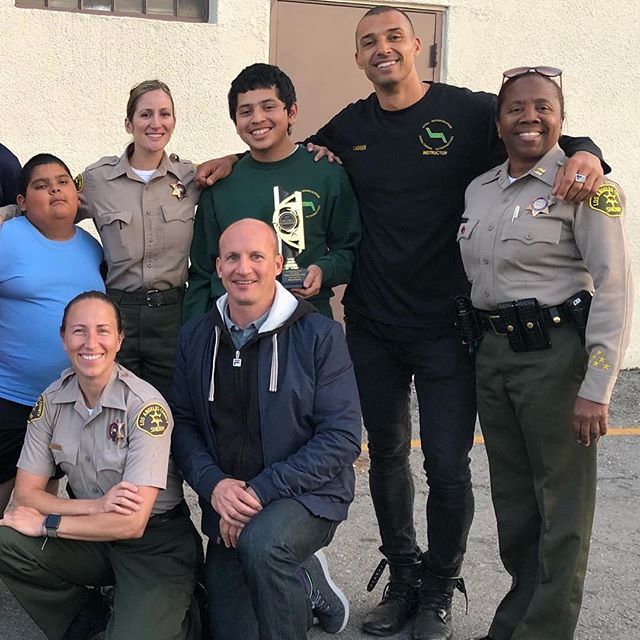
x=443 y=376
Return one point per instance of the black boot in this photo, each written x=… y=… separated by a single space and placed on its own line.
x=399 y=599
x=433 y=621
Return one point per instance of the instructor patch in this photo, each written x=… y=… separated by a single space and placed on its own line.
x=79 y=181
x=38 y=409
x=607 y=201
x=153 y=419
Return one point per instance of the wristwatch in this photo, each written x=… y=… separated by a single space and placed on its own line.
x=50 y=525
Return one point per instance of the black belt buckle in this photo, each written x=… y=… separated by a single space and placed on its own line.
x=154 y=298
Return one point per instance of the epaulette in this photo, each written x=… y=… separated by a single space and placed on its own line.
x=56 y=385
x=104 y=161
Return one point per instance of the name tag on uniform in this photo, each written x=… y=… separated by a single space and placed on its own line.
x=55 y=447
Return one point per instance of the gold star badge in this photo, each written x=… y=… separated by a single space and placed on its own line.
x=179 y=190
x=540 y=205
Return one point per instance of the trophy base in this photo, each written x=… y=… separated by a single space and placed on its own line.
x=293 y=278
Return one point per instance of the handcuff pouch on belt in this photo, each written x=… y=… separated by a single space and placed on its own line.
x=526 y=328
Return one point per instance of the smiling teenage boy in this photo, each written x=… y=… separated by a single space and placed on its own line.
x=262 y=104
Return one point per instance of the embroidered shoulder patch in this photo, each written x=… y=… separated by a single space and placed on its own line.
x=607 y=201
x=38 y=409
x=153 y=419
x=79 y=182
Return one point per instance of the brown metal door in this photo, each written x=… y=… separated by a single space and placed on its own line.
x=314 y=43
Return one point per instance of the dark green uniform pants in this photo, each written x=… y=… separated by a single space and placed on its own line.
x=154 y=578
x=150 y=341
x=542 y=482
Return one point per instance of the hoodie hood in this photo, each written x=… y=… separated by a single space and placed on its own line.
x=285 y=310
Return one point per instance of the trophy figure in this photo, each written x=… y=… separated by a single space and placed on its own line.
x=288 y=221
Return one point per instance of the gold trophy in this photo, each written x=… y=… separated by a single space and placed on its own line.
x=288 y=221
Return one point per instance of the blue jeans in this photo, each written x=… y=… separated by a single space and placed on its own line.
x=254 y=591
x=444 y=380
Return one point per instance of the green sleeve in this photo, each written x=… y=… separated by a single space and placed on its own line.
x=204 y=251
x=343 y=235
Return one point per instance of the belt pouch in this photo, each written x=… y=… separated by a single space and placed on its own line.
x=515 y=335
x=578 y=306
x=534 y=328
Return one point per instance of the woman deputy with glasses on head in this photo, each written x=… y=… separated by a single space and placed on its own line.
x=143 y=205
x=551 y=288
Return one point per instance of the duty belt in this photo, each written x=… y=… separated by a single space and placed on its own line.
x=150 y=298
x=554 y=316
x=179 y=511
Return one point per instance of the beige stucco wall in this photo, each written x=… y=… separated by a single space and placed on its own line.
x=64 y=77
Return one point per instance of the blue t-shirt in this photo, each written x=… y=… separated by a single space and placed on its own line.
x=38 y=277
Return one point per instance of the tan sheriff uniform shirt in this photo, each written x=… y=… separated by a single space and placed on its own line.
x=517 y=241
x=146 y=229
x=127 y=437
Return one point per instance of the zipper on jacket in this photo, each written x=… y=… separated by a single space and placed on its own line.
x=237 y=362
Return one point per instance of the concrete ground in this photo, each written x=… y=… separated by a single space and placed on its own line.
x=611 y=607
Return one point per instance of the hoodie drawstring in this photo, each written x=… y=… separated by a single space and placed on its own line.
x=212 y=384
x=273 y=379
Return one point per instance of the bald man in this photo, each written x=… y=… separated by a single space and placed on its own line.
x=267 y=429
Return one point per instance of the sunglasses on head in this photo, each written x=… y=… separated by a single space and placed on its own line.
x=547 y=72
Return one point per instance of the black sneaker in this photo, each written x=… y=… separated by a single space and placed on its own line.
x=328 y=604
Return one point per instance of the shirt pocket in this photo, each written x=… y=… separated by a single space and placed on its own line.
x=530 y=249
x=65 y=453
x=111 y=458
x=118 y=236
x=466 y=240
x=178 y=220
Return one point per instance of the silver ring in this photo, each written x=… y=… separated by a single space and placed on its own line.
x=580 y=177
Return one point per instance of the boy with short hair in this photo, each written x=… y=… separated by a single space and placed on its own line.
x=262 y=104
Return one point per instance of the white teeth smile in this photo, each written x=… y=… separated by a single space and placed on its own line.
x=86 y=357
x=529 y=134
x=384 y=65
x=259 y=132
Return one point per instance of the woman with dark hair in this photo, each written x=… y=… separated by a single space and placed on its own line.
x=46 y=261
x=551 y=286
x=143 y=205
x=126 y=525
